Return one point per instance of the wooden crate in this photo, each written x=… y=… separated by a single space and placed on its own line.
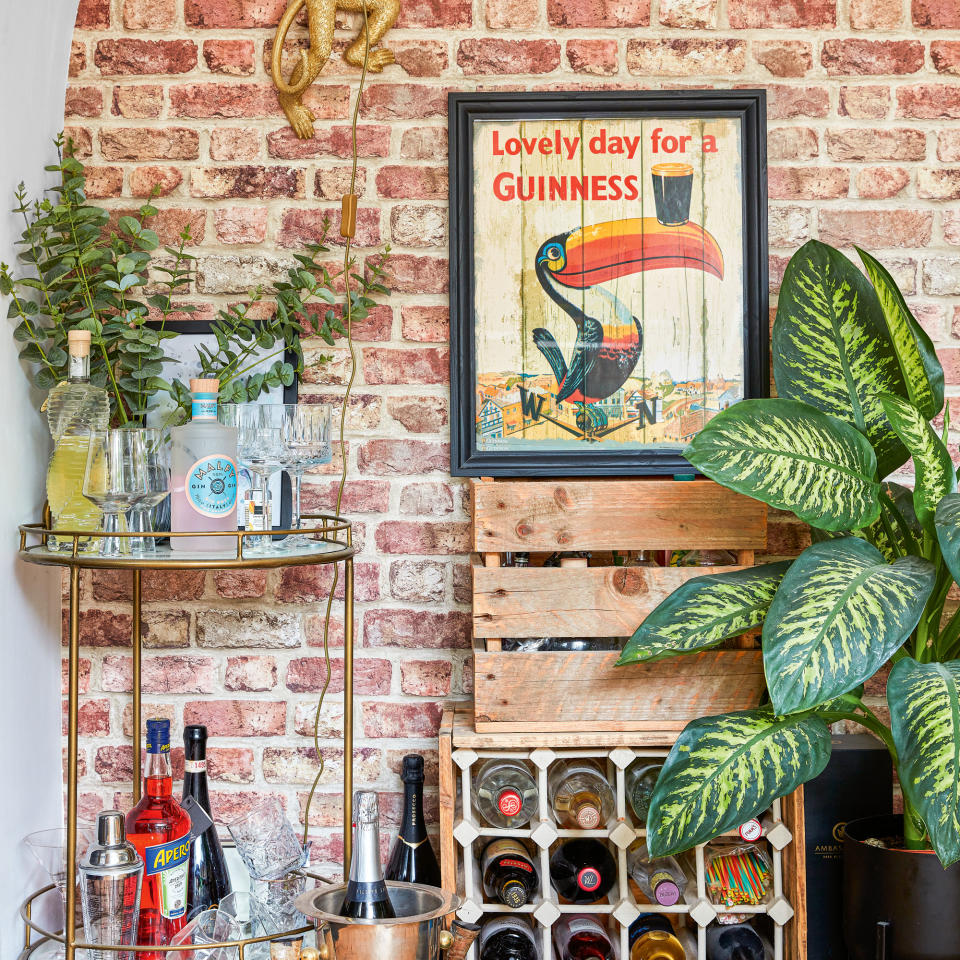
x=462 y=833
x=556 y=691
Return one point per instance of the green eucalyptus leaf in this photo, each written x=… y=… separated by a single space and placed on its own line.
x=723 y=770
x=129 y=225
x=704 y=611
x=925 y=720
x=44 y=378
x=841 y=612
x=921 y=370
x=792 y=457
x=931 y=459
x=831 y=349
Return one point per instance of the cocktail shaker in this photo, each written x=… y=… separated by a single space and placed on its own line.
x=110 y=877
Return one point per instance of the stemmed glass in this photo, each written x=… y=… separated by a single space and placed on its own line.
x=260 y=450
x=306 y=443
x=114 y=479
x=49 y=847
x=156 y=453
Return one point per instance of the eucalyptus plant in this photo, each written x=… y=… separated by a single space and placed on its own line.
x=84 y=269
x=858 y=384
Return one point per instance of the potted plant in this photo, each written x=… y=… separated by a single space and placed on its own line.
x=858 y=383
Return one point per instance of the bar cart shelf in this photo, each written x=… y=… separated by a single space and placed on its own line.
x=330 y=542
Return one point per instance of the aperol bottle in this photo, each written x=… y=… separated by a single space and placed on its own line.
x=160 y=830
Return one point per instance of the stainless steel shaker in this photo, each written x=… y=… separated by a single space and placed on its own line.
x=110 y=878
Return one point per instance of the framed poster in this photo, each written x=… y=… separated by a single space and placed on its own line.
x=184 y=364
x=608 y=276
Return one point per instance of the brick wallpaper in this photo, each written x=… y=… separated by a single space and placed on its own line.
x=864 y=143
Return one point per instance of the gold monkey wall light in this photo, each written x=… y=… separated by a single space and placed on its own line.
x=321 y=17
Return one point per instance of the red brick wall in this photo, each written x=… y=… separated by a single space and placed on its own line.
x=864 y=111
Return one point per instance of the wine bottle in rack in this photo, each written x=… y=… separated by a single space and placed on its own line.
x=508 y=938
x=580 y=794
x=208 y=880
x=662 y=880
x=413 y=859
x=582 y=937
x=734 y=941
x=505 y=793
x=582 y=870
x=639 y=781
x=509 y=873
x=366 y=897
x=651 y=937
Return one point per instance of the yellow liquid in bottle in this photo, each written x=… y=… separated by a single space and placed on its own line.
x=70 y=508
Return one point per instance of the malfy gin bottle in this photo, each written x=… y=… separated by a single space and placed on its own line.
x=203 y=493
x=76 y=408
x=159 y=828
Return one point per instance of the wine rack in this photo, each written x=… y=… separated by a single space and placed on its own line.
x=464 y=833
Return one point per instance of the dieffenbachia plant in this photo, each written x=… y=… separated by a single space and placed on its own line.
x=858 y=383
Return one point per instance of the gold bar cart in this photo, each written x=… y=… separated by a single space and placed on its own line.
x=331 y=543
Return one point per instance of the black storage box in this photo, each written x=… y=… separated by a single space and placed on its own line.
x=857 y=782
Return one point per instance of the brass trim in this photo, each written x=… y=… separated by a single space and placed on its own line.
x=136 y=645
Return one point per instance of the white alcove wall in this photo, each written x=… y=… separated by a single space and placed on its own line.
x=34 y=53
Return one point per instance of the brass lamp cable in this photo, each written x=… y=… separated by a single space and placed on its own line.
x=347 y=230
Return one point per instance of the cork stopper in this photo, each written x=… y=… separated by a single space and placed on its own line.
x=200 y=385
x=78 y=343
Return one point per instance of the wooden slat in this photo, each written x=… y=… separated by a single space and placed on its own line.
x=564 y=691
x=571 y=602
x=448 y=798
x=795 y=876
x=548 y=515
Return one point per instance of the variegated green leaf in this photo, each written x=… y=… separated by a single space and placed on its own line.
x=793 y=457
x=947 y=522
x=925 y=720
x=839 y=615
x=702 y=612
x=726 y=769
x=921 y=370
x=935 y=477
x=831 y=348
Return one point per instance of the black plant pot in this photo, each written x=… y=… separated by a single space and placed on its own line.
x=908 y=889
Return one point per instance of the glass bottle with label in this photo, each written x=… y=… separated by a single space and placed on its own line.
x=582 y=937
x=508 y=938
x=366 y=896
x=580 y=794
x=582 y=870
x=508 y=872
x=203 y=492
x=651 y=937
x=505 y=793
x=76 y=409
x=413 y=859
x=159 y=828
x=639 y=781
x=737 y=941
x=662 y=881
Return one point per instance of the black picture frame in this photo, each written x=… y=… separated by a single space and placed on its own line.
x=199 y=328
x=465 y=109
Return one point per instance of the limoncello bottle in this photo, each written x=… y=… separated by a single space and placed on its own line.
x=76 y=409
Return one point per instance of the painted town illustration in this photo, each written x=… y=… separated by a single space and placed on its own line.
x=618 y=330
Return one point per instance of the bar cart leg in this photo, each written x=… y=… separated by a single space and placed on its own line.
x=347 y=711
x=69 y=929
x=135 y=639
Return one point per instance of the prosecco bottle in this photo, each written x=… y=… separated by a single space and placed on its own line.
x=412 y=859
x=208 y=881
x=508 y=873
x=366 y=897
x=508 y=938
x=582 y=870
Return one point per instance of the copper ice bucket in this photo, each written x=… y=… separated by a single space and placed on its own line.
x=416 y=933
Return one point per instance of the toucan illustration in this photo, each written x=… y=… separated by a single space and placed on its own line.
x=609 y=338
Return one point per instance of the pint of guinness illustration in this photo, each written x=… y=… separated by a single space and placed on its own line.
x=672 y=186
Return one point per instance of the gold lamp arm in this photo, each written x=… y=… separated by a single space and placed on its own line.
x=292 y=90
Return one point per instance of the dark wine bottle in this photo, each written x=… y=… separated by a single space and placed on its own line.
x=208 y=881
x=508 y=938
x=412 y=858
x=366 y=897
x=737 y=941
x=508 y=872
x=582 y=870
